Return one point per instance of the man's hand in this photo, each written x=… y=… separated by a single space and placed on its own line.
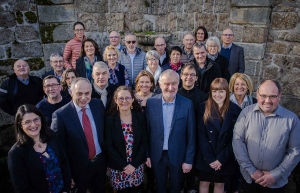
x=186 y=167
x=257 y=174
x=129 y=169
x=266 y=180
x=148 y=162
x=216 y=165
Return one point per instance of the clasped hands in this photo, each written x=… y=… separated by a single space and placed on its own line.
x=129 y=169
x=186 y=168
x=216 y=165
x=264 y=178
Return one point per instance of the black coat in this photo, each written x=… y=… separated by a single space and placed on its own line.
x=80 y=66
x=214 y=141
x=222 y=61
x=115 y=142
x=27 y=172
x=110 y=94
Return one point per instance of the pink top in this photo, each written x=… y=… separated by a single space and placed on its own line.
x=72 y=52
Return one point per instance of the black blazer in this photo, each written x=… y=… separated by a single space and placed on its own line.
x=115 y=142
x=80 y=66
x=27 y=172
x=214 y=141
x=222 y=61
x=110 y=93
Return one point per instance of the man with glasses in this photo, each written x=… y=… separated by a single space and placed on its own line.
x=57 y=63
x=160 y=47
x=115 y=39
x=54 y=100
x=187 y=48
x=133 y=58
x=266 y=142
x=20 y=88
x=232 y=52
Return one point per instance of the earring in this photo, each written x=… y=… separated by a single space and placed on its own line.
x=117 y=107
x=131 y=107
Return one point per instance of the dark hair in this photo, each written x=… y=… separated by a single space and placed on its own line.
x=112 y=109
x=176 y=48
x=204 y=30
x=80 y=23
x=45 y=134
x=274 y=81
x=149 y=75
x=97 y=51
x=50 y=77
x=64 y=77
x=189 y=65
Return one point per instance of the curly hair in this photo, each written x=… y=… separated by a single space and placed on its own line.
x=64 y=77
x=97 y=50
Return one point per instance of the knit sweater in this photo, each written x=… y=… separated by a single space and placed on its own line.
x=72 y=52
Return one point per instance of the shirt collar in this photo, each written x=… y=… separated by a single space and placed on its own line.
x=233 y=99
x=23 y=81
x=118 y=46
x=279 y=111
x=78 y=108
x=228 y=47
x=164 y=102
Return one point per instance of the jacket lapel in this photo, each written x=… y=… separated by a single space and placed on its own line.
x=176 y=110
x=33 y=157
x=117 y=123
x=232 y=54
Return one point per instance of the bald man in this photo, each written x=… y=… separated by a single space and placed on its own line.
x=20 y=88
x=160 y=46
x=187 y=51
x=115 y=39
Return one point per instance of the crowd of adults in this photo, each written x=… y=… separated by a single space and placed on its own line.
x=183 y=117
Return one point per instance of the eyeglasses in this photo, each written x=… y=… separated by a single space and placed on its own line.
x=79 y=30
x=212 y=46
x=55 y=86
x=29 y=122
x=111 y=37
x=56 y=62
x=271 y=97
x=130 y=42
x=191 y=75
x=152 y=59
x=229 y=35
x=121 y=99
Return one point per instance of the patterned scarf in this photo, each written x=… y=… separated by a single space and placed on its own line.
x=89 y=67
x=176 y=67
x=212 y=57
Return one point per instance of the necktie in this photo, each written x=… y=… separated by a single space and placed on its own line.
x=87 y=128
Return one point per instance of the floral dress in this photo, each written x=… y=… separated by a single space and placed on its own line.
x=119 y=179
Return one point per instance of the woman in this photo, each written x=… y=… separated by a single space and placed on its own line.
x=72 y=48
x=175 y=64
x=67 y=77
x=89 y=55
x=153 y=67
x=216 y=118
x=118 y=72
x=126 y=141
x=214 y=47
x=201 y=34
x=144 y=87
x=37 y=162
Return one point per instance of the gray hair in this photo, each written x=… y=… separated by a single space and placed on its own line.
x=168 y=72
x=130 y=34
x=199 y=45
x=213 y=39
x=274 y=81
x=55 y=55
x=101 y=65
x=152 y=53
x=76 y=80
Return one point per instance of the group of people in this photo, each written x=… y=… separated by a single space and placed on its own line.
x=184 y=117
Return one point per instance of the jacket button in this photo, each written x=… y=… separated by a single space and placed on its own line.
x=211 y=131
x=209 y=141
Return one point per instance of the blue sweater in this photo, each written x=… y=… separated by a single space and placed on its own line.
x=226 y=53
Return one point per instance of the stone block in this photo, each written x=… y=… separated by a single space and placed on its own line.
x=161 y=23
x=249 y=15
x=90 y=20
x=254 y=34
x=57 y=13
x=185 y=21
x=296 y=49
x=284 y=21
x=7 y=19
x=222 y=6
x=7 y=36
x=208 y=7
x=207 y=20
x=27 y=49
x=159 y=7
x=293 y=104
x=62 y=1
x=238 y=32
x=17 y=5
x=290 y=76
x=100 y=37
x=278 y=48
x=296 y=62
x=283 y=61
x=2 y=53
x=253 y=51
x=192 y=6
x=115 y=21
x=102 y=23
x=134 y=22
x=252 y=3
x=252 y=67
x=289 y=36
x=138 y=7
x=177 y=38
x=271 y=72
x=92 y=6
x=52 y=48
x=117 y=6
x=281 y=7
x=26 y=33
x=63 y=33
x=223 y=21
x=172 y=22
x=174 y=6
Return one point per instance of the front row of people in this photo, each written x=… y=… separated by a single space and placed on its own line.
x=165 y=135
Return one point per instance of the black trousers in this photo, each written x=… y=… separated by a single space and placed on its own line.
x=161 y=170
x=129 y=190
x=256 y=188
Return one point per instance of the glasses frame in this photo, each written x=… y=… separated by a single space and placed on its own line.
x=122 y=99
x=265 y=97
x=29 y=122
x=55 y=86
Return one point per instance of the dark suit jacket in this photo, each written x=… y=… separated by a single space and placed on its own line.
x=80 y=66
x=214 y=141
x=221 y=60
x=236 y=62
x=110 y=94
x=181 y=144
x=115 y=142
x=51 y=72
x=27 y=172
x=66 y=124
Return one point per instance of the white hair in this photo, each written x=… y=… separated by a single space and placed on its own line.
x=168 y=72
x=213 y=39
x=76 y=80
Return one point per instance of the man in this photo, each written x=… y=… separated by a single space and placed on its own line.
x=54 y=100
x=115 y=39
x=187 y=51
x=79 y=126
x=133 y=58
x=232 y=52
x=208 y=70
x=171 y=125
x=266 y=142
x=102 y=89
x=57 y=63
x=160 y=47
x=20 y=88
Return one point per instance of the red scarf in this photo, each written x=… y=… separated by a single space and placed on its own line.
x=176 y=67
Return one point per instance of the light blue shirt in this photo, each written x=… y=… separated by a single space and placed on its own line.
x=94 y=131
x=132 y=56
x=26 y=82
x=168 y=112
x=228 y=47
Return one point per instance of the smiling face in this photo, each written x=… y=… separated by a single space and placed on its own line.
x=112 y=57
x=21 y=69
x=114 y=38
x=268 y=97
x=200 y=35
x=169 y=86
x=240 y=87
x=52 y=88
x=57 y=64
x=219 y=96
x=130 y=43
x=188 y=41
x=144 y=84
x=200 y=54
x=31 y=125
x=227 y=37
x=124 y=100
x=188 y=77
x=81 y=93
x=212 y=48
x=160 y=46
x=100 y=76
x=89 y=48
x=79 y=31
x=175 y=57
x=70 y=77
x=152 y=63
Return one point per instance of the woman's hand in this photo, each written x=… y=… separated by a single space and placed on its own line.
x=148 y=162
x=216 y=165
x=129 y=169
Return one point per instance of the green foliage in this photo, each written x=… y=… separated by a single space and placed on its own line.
x=19 y=18
x=147 y=4
x=47 y=32
x=35 y=63
x=9 y=62
x=31 y=17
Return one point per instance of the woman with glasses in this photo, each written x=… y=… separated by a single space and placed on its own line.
x=118 y=73
x=90 y=54
x=216 y=119
x=37 y=162
x=152 y=58
x=72 y=48
x=213 y=47
x=126 y=141
x=201 y=34
x=68 y=76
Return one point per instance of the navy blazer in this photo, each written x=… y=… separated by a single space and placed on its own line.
x=115 y=142
x=80 y=65
x=236 y=61
x=66 y=124
x=214 y=141
x=181 y=144
x=27 y=172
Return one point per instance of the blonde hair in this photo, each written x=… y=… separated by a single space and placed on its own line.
x=243 y=77
x=110 y=48
x=141 y=74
